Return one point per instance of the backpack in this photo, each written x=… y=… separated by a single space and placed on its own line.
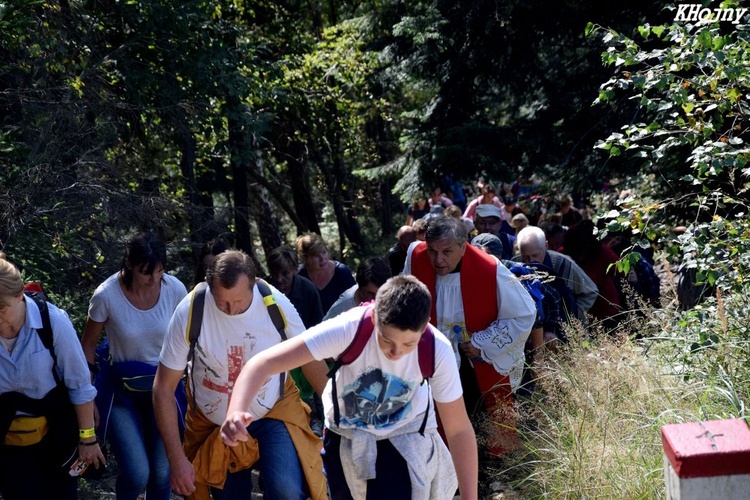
x=425 y=352
x=195 y=320
x=554 y=280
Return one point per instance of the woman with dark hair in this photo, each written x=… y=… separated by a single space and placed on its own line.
x=45 y=394
x=134 y=307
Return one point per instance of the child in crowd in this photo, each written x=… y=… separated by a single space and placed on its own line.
x=381 y=439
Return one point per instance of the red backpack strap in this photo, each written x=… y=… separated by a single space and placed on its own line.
x=353 y=350
x=426 y=353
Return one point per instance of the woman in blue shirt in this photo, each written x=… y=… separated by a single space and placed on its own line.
x=37 y=386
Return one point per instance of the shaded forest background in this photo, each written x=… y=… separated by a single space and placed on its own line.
x=260 y=120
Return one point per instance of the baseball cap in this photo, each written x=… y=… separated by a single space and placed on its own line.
x=488 y=210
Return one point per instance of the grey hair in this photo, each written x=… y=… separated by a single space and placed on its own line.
x=442 y=227
x=531 y=235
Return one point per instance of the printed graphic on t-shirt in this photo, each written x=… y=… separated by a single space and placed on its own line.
x=376 y=399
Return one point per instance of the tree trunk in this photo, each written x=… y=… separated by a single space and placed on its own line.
x=299 y=180
x=265 y=220
x=239 y=153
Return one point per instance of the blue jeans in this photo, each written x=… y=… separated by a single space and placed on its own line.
x=138 y=449
x=279 y=466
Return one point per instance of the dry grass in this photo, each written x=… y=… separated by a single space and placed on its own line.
x=592 y=429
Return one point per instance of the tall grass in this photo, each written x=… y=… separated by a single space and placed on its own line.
x=592 y=428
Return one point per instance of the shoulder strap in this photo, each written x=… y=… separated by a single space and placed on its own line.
x=193 y=331
x=45 y=332
x=277 y=315
x=426 y=353
x=195 y=318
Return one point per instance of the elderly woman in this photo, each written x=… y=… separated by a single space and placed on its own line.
x=330 y=277
x=134 y=307
x=45 y=395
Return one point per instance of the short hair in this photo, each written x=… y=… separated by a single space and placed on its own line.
x=532 y=235
x=375 y=270
x=403 y=302
x=11 y=282
x=281 y=259
x=228 y=267
x=144 y=250
x=442 y=227
x=309 y=245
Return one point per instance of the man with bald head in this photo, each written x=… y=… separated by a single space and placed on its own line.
x=396 y=255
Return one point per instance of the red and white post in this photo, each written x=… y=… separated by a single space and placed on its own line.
x=707 y=460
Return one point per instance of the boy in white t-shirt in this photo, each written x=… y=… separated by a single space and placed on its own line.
x=385 y=443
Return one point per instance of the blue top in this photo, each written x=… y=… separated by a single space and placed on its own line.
x=28 y=369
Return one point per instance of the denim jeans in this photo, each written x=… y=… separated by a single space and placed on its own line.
x=279 y=466
x=138 y=449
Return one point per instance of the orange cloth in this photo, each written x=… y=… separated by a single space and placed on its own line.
x=212 y=458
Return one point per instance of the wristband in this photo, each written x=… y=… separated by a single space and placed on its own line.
x=86 y=433
x=92 y=443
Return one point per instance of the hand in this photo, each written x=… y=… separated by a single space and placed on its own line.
x=182 y=476
x=91 y=454
x=234 y=428
x=470 y=351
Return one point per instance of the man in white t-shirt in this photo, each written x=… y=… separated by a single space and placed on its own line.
x=236 y=326
x=385 y=444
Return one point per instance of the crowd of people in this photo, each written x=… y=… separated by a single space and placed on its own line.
x=190 y=390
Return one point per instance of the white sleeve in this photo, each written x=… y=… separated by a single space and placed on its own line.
x=175 y=349
x=330 y=338
x=502 y=343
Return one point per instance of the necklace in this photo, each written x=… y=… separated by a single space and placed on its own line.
x=8 y=344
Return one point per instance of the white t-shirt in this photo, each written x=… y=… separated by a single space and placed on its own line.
x=504 y=344
x=375 y=393
x=225 y=344
x=135 y=334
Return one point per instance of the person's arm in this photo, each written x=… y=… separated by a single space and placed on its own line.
x=91 y=333
x=279 y=358
x=181 y=471
x=462 y=444
x=89 y=450
x=316 y=372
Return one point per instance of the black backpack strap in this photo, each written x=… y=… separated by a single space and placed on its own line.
x=277 y=316
x=45 y=332
x=353 y=350
x=193 y=330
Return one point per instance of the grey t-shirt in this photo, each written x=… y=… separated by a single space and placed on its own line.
x=135 y=334
x=343 y=303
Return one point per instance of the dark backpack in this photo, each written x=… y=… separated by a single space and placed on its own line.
x=570 y=304
x=195 y=320
x=425 y=352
